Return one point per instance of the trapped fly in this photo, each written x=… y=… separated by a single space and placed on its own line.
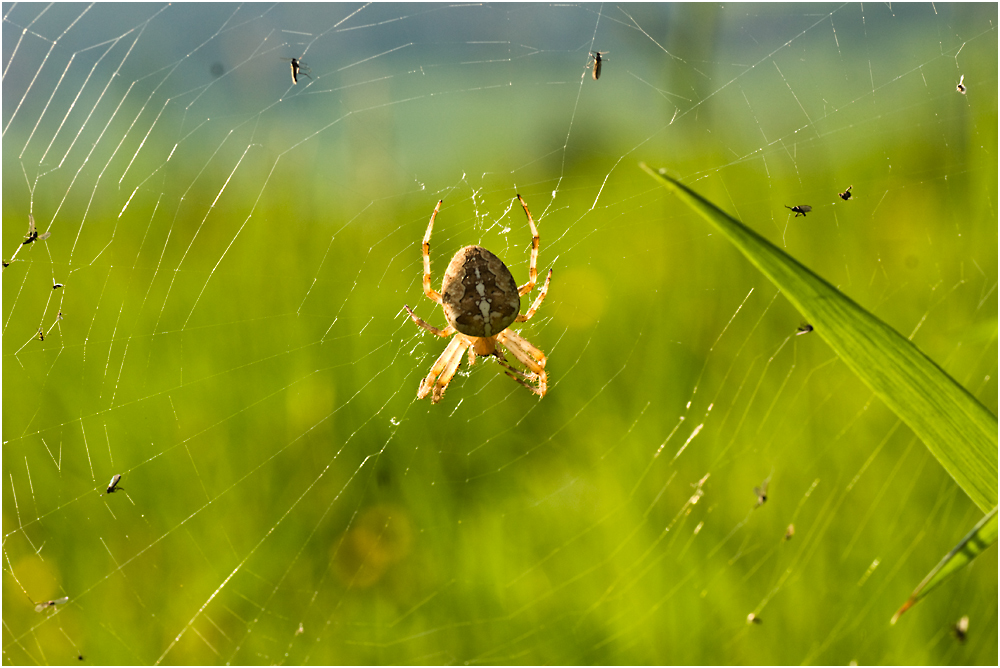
x=33 y=233
x=961 y=86
x=846 y=195
x=51 y=604
x=596 y=56
x=761 y=493
x=800 y=209
x=298 y=67
x=961 y=628
x=113 y=485
x=41 y=334
x=804 y=328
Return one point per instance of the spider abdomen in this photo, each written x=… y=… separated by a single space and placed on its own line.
x=479 y=295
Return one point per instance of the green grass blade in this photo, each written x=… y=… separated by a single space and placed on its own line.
x=958 y=430
x=976 y=541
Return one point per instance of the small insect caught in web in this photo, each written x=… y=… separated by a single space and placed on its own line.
x=761 y=493
x=800 y=209
x=298 y=67
x=113 y=485
x=961 y=85
x=41 y=334
x=51 y=604
x=33 y=234
x=56 y=286
x=597 y=57
x=804 y=328
x=961 y=628
x=846 y=195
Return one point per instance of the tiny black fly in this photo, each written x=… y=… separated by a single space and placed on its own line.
x=33 y=234
x=596 y=56
x=761 y=493
x=51 y=604
x=800 y=209
x=298 y=67
x=113 y=485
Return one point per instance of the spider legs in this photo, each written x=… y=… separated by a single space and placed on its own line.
x=534 y=382
x=447 y=331
x=446 y=366
x=431 y=293
x=533 y=264
x=529 y=356
x=444 y=369
x=523 y=317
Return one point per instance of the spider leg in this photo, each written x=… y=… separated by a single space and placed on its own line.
x=529 y=356
x=523 y=317
x=443 y=370
x=447 y=331
x=431 y=293
x=530 y=381
x=450 y=368
x=521 y=348
x=533 y=264
x=537 y=384
x=449 y=372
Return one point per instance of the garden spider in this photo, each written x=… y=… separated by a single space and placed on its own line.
x=480 y=300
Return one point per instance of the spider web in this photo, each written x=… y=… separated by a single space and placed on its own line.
x=233 y=250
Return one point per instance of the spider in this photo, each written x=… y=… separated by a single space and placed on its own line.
x=480 y=300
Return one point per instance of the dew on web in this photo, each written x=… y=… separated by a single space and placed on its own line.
x=205 y=306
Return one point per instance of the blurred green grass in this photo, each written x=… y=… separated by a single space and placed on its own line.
x=273 y=438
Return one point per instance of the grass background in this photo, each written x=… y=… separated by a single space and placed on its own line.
x=236 y=252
